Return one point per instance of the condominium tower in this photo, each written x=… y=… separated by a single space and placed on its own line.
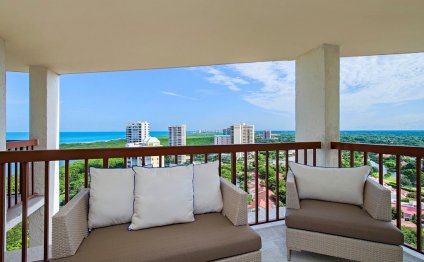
x=136 y=132
x=222 y=140
x=267 y=134
x=242 y=133
x=177 y=137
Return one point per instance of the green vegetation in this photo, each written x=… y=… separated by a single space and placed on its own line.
x=14 y=238
x=410 y=236
x=192 y=139
x=103 y=144
x=405 y=138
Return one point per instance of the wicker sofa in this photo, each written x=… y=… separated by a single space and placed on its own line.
x=343 y=230
x=214 y=236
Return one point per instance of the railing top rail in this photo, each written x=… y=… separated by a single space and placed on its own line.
x=12 y=144
x=380 y=149
x=75 y=154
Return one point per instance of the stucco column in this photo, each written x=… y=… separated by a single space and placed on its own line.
x=2 y=95
x=44 y=126
x=318 y=101
x=3 y=106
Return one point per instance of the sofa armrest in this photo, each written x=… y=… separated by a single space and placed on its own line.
x=235 y=203
x=70 y=225
x=377 y=201
x=292 y=197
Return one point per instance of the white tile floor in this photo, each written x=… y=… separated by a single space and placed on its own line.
x=274 y=243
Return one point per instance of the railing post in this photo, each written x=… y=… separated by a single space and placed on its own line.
x=24 y=211
x=219 y=161
x=277 y=186
x=267 y=186
x=2 y=211
x=46 y=210
x=86 y=172
x=233 y=168
x=66 y=181
x=256 y=186
x=419 y=231
x=398 y=199
x=246 y=189
x=380 y=169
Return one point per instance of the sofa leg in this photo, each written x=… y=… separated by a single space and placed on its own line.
x=288 y=254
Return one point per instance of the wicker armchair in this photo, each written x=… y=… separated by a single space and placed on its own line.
x=343 y=230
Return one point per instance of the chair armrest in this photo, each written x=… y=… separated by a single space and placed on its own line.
x=70 y=225
x=235 y=203
x=292 y=197
x=377 y=201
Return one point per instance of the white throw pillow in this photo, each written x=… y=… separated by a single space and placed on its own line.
x=207 y=188
x=343 y=185
x=111 y=196
x=163 y=196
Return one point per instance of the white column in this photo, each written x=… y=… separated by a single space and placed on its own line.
x=318 y=101
x=2 y=95
x=3 y=104
x=44 y=126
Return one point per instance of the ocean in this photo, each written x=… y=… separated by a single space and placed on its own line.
x=81 y=137
x=85 y=137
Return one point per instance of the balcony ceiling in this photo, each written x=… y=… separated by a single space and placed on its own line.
x=74 y=36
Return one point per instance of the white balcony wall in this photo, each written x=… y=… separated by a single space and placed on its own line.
x=318 y=101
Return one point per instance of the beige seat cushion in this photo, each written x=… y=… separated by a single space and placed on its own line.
x=342 y=220
x=209 y=237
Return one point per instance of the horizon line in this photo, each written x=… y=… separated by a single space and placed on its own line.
x=212 y=131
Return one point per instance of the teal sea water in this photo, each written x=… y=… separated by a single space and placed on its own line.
x=85 y=137
x=81 y=137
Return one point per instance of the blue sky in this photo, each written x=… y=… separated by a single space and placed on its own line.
x=377 y=92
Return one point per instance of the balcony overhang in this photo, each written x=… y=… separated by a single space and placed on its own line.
x=91 y=36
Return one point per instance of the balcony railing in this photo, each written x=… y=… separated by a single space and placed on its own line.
x=14 y=171
x=351 y=154
x=259 y=169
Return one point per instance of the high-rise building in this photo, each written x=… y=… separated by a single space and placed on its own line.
x=267 y=134
x=153 y=161
x=242 y=134
x=222 y=139
x=136 y=132
x=177 y=137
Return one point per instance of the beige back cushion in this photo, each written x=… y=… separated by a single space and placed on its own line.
x=207 y=188
x=163 y=196
x=342 y=185
x=111 y=196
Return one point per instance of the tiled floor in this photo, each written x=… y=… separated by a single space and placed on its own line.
x=273 y=248
x=274 y=242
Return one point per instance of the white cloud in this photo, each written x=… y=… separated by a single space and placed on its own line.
x=218 y=77
x=168 y=93
x=276 y=84
x=364 y=81
x=376 y=80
